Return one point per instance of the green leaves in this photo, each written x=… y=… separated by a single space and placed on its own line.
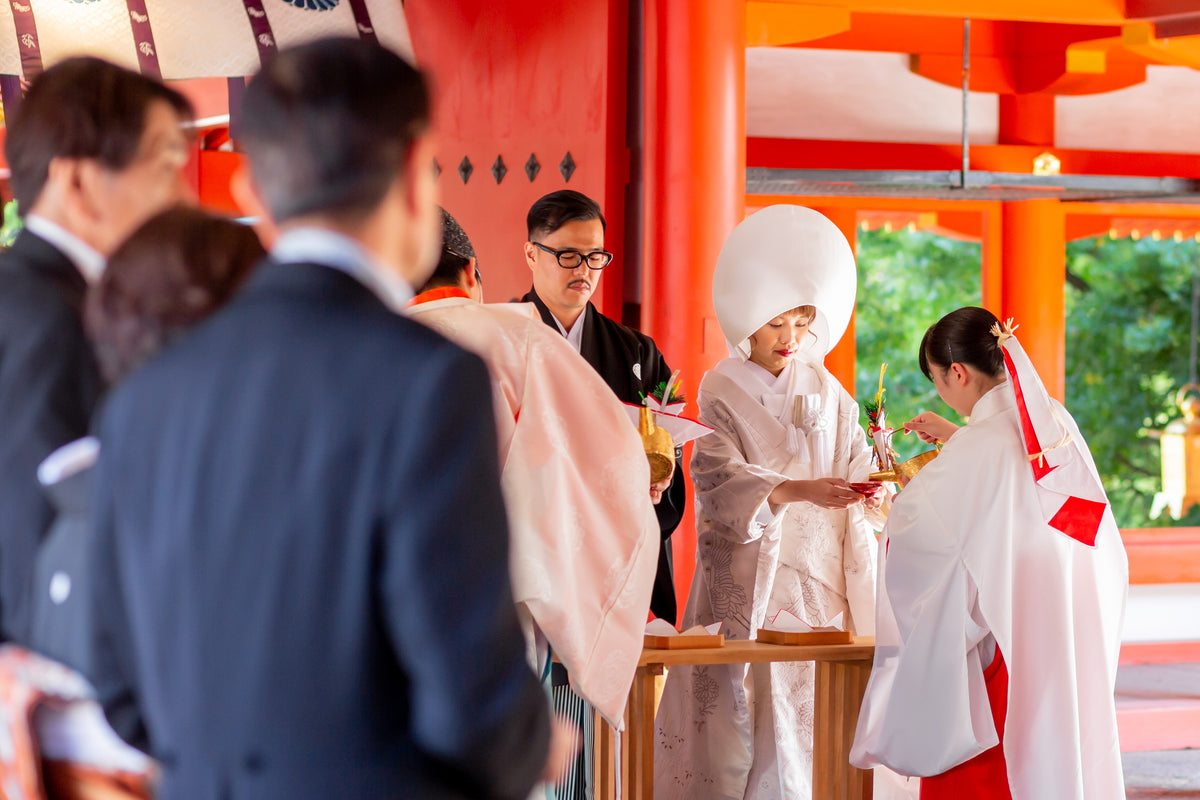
x=12 y=224
x=1127 y=353
x=906 y=282
x=1128 y=307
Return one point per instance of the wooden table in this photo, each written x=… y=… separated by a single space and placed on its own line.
x=841 y=679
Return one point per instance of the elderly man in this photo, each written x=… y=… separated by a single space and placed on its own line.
x=585 y=537
x=94 y=151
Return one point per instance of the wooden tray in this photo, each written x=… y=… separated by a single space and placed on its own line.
x=684 y=642
x=812 y=637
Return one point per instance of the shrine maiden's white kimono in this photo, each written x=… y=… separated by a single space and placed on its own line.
x=745 y=731
x=969 y=563
x=584 y=536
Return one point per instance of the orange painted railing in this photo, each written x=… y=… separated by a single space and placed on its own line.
x=1163 y=555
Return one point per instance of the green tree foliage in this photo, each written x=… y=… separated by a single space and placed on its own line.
x=11 y=226
x=1128 y=310
x=1127 y=352
x=906 y=282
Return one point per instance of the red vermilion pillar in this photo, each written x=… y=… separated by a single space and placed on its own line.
x=992 y=258
x=842 y=359
x=695 y=184
x=1033 y=272
x=1026 y=119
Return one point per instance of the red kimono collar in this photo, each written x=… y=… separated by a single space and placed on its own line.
x=439 y=293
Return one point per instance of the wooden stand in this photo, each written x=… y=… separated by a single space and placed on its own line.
x=808 y=637
x=682 y=642
x=841 y=679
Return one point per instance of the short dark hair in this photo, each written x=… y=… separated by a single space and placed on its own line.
x=963 y=337
x=81 y=108
x=556 y=209
x=327 y=126
x=457 y=252
x=179 y=267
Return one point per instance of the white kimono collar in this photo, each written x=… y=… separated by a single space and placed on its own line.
x=801 y=382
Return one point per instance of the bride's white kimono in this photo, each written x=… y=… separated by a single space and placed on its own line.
x=745 y=731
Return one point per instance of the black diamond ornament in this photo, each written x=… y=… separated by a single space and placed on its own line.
x=567 y=167
x=499 y=170
x=465 y=169
x=532 y=167
x=437 y=169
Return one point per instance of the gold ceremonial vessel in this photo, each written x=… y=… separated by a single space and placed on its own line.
x=905 y=471
x=659 y=447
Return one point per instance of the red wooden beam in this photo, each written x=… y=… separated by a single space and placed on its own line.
x=1170 y=17
x=1059 y=11
x=898 y=33
x=828 y=154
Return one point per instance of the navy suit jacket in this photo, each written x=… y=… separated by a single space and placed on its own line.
x=300 y=558
x=49 y=386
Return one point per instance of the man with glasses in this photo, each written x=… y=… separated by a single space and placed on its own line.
x=566 y=254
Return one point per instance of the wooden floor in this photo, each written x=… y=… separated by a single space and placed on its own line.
x=1171 y=775
x=1158 y=706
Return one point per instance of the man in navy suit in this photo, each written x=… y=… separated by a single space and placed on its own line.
x=301 y=551
x=94 y=151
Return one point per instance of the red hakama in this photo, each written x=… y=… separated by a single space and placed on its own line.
x=984 y=777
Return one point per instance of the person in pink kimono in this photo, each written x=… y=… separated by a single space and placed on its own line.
x=575 y=477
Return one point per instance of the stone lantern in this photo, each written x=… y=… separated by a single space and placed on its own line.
x=1181 y=456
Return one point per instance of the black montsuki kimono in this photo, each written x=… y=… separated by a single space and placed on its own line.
x=631 y=364
x=49 y=385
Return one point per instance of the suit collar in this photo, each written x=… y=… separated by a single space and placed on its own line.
x=87 y=259
x=37 y=253
x=316 y=245
x=321 y=282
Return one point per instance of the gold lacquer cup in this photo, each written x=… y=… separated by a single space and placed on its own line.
x=905 y=471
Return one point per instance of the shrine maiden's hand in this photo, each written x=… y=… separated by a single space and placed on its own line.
x=657 y=489
x=931 y=428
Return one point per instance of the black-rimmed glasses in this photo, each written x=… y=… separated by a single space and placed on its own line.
x=571 y=259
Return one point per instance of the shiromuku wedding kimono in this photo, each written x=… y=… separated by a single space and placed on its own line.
x=738 y=731
x=1001 y=553
x=584 y=536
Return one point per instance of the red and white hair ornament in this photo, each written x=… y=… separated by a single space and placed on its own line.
x=1072 y=499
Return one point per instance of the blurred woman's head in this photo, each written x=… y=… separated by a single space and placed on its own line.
x=172 y=272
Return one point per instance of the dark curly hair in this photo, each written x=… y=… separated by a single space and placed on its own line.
x=176 y=269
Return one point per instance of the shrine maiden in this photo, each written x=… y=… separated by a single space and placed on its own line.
x=1002 y=591
x=778 y=526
